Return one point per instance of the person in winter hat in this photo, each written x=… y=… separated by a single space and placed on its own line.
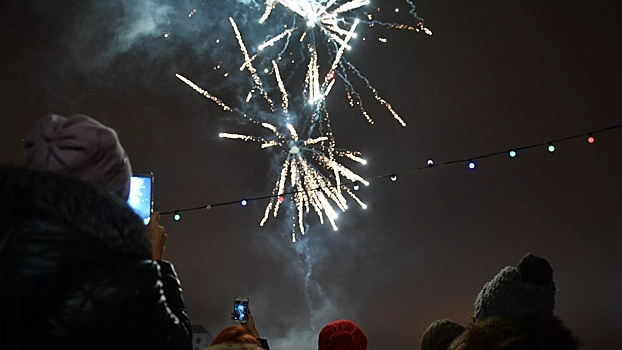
x=514 y=311
x=78 y=265
x=526 y=289
x=342 y=335
x=235 y=338
x=242 y=337
x=440 y=334
x=82 y=148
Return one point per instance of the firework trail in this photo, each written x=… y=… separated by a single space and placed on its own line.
x=203 y=92
x=279 y=81
x=248 y=64
x=376 y=95
x=419 y=27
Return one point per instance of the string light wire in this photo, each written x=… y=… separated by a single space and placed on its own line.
x=396 y=174
x=10 y=145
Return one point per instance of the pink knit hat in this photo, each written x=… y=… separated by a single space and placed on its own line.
x=82 y=148
x=342 y=335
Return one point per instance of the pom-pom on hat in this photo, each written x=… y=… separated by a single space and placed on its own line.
x=526 y=289
x=342 y=335
x=82 y=148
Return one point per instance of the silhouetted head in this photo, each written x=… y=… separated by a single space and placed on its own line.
x=440 y=334
x=234 y=334
x=342 y=335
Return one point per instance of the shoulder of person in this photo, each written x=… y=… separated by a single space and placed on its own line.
x=78 y=205
x=514 y=332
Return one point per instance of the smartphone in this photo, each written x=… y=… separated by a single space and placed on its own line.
x=240 y=310
x=141 y=195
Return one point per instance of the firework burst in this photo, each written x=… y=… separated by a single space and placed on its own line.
x=334 y=23
x=309 y=173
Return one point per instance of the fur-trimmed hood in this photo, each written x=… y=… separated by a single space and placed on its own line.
x=87 y=208
x=517 y=333
x=234 y=346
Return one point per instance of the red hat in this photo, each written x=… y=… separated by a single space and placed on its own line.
x=342 y=335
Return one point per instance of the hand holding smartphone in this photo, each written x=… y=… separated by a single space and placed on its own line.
x=240 y=310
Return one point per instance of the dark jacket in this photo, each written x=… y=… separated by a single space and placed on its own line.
x=76 y=270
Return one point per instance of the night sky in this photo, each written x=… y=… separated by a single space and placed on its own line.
x=493 y=76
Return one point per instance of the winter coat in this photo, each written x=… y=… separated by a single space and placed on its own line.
x=76 y=270
x=517 y=333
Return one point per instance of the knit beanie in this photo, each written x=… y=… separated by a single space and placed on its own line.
x=342 y=335
x=526 y=289
x=82 y=148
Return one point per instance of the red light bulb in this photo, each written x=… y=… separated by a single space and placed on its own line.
x=590 y=139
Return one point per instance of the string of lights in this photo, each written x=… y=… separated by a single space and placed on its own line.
x=512 y=153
